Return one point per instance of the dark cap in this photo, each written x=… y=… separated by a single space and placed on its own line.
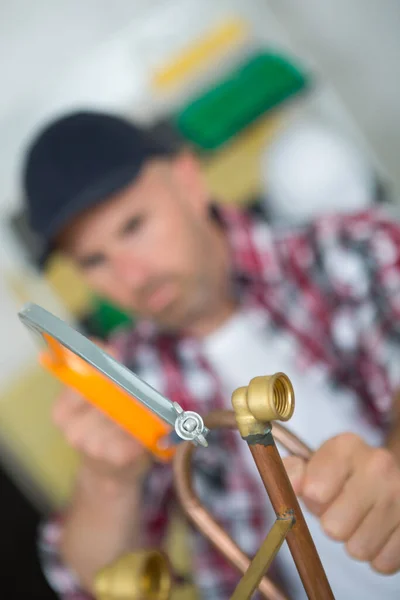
x=77 y=162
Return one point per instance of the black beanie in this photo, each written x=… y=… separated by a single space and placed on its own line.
x=77 y=162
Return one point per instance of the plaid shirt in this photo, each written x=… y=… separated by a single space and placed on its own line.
x=334 y=288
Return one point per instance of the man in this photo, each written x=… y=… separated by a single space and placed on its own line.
x=221 y=300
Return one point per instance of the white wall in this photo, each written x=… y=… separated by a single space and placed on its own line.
x=54 y=54
x=356 y=45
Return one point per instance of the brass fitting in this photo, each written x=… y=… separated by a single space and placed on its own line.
x=142 y=575
x=265 y=399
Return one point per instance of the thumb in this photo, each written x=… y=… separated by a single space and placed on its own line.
x=296 y=469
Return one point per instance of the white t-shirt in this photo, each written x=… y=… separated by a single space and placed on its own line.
x=243 y=349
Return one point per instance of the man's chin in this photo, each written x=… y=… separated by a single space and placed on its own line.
x=176 y=316
x=173 y=320
x=167 y=319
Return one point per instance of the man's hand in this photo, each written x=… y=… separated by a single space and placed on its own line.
x=355 y=491
x=106 y=448
x=104 y=445
x=103 y=518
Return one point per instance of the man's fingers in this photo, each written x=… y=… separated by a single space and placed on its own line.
x=329 y=468
x=71 y=401
x=355 y=490
x=369 y=540
x=295 y=468
x=388 y=560
x=349 y=508
x=68 y=405
x=87 y=431
x=94 y=434
x=123 y=449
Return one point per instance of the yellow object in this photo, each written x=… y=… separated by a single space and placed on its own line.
x=233 y=174
x=38 y=453
x=136 y=576
x=263 y=559
x=117 y=404
x=67 y=283
x=265 y=399
x=202 y=53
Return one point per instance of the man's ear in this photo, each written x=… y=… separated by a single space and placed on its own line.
x=188 y=174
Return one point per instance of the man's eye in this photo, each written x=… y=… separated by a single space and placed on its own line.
x=133 y=225
x=90 y=262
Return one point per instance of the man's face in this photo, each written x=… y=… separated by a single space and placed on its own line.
x=151 y=248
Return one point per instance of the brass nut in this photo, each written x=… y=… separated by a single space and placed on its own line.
x=271 y=398
x=265 y=399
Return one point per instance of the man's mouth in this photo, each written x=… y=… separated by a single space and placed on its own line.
x=161 y=297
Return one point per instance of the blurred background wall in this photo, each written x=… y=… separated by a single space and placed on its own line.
x=60 y=55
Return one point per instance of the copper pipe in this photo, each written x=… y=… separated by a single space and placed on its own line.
x=226 y=419
x=221 y=540
x=200 y=516
x=283 y=500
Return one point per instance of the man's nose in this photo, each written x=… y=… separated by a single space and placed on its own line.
x=131 y=271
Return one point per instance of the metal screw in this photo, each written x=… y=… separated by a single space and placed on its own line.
x=190 y=424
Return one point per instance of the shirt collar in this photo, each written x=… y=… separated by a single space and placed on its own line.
x=253 y=249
